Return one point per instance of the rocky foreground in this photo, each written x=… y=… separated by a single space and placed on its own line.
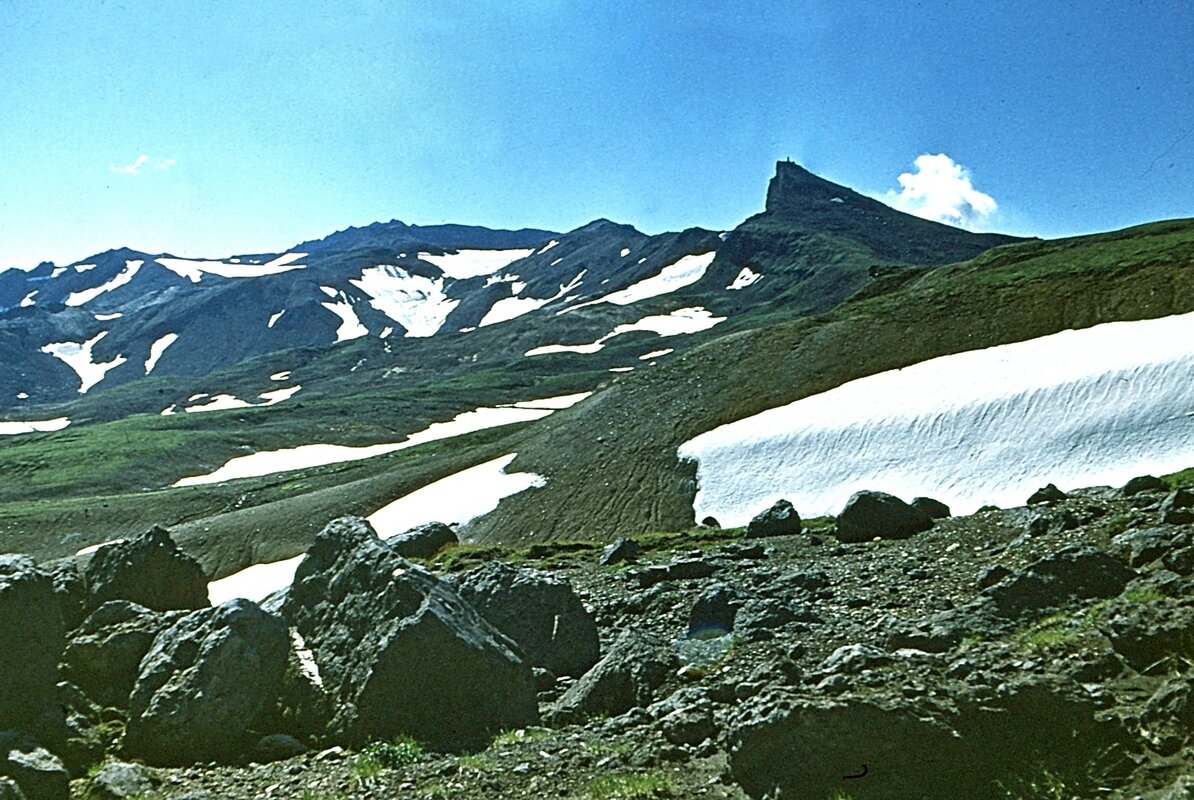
x=894 y=652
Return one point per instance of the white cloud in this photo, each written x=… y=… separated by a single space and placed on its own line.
x=941 y=190
x=141 y=160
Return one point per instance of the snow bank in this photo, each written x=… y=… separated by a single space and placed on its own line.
x=77 y=356
x=680 y=321
x=193 y=270
x=28 y=300
x=227 y=402
x=456 y=499
x=474 y=263
x=131 y=268
x=350 y=325
x=1077 y=408
x=418 y=304
x=745 y=278
x=509 y=308
x=157 y=348
x=268 y=462
x=685 y=272
x=33 y=426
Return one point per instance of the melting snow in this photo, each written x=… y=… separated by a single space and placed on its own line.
x=89 y=549
x=329 y=291
x=22 y=395
x=84 y=267
x=1093 y=406
x=77 y=356
x=28 y=300
x=317 y=455
x=226 y=402
x=655 y=354
x=280 y=376
x=745 y=278
x=510 y=307
x=625 y=252
x=684 y=272
x=157 y=348
x=418 y=304
x=621 y=369
x=456 y=499
x=131 y=268
x=33 y=426
x=548 y=246
x=474 y=263
x=107 y=317
x=350 y=326
x=275 y=317
x=57 y=271
x=193 y=270
x=680 y=321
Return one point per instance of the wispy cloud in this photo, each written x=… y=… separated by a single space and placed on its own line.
x=141 y=160
x=940 y=189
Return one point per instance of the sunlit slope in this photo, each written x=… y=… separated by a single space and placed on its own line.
x=611 y=463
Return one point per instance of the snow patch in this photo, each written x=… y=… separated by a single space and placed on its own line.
x=33 y=426
x=157 y=348
x=745 y=278
x=685 y=272
x=275 y=317
x=656 y=354
x=77 y=356
x=194 y=270
x=84 y=267
x=131 y=268
x=107 y=317
x=280 y=376
x=474 y=263
x=1076 y=408
x=418 y=304
x=555 y=403
x=625 y=252
x=621 y=369
x=276 y=396
x=456 y=499
x=680 y=321
x=509 y=308
x=57 y=271
x=86 y=551
x=547 y=247
x=227 y=402
x=350 y=325
x=28 y=299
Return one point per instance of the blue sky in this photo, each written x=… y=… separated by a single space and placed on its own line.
x=216 y=128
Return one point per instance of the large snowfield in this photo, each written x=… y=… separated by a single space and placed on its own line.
x=1096 y=406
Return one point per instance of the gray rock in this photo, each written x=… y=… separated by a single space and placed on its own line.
x=1076 y=572
x=71 y=591
x=869 y=514
x=149 y=570
x=1142 y=546
x=399 y=651
x=38 y=772
x=715 y=609
x=779 y=520
x=1048 y=493
x=538 y=610
x=1142 y=484
x=935 y=509
x=679 y=570
x=423 y=541
x=627 y=677
x=277 y=747
x=688 y=726
x=1180 y=561
x=204 y=682
x=10 y=791
x=31 y=641
x=1178 y=508
x=118 y=779
x=1147 y=635
x=1168 y=716
x=1046 y=522
x=990 y=575
x=620 y=551
x=851 y=659
x=104 y=654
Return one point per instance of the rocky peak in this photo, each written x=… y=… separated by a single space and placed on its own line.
x=794 y=188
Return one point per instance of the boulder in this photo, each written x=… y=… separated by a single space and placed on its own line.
x=1168 y=716
x=682 y=569
x=1048 y=493
x=423 y=541
x=37 y=771
x=620 y=551
x=277 y=747
x=1142 y=484
x=71 y=591
x=399 y=651
x=204 y=683
x=1076 y=572
x=1178 y=508
x=1046 y=522
x=10 y=791
x=869 y=514
x=627 y=677
x=31 y=641
x=779 y=520
x=538 y=610
x=149 y=570
x=1142 y=546
x=1149 y=635
x=117 y=779
x=104 y=654
x=715 y=610
x=935 y=509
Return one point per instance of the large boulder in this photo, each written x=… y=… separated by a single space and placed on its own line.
x=1151 y=635
x=399 y=651
x=869 y=514
x=38 y=772
x=1078 y=572
x=71 y=591
x=10 y=791
x=627 y=677
x=31 y=641
x=538 y=610
x=1178 y=507
x=779 y=520
x=103 y=656
x=204 y=683
x=423 y=541
x=149 y=570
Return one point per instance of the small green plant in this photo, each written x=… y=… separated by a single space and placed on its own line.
x=365 y=767
x=393 y=755
x=475 y=762
x=518 y=736
x=1044 y=785
x=633 y=786
x=310 y=795
x=1144 y=594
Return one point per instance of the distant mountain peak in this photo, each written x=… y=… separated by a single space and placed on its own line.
x=794 y=187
